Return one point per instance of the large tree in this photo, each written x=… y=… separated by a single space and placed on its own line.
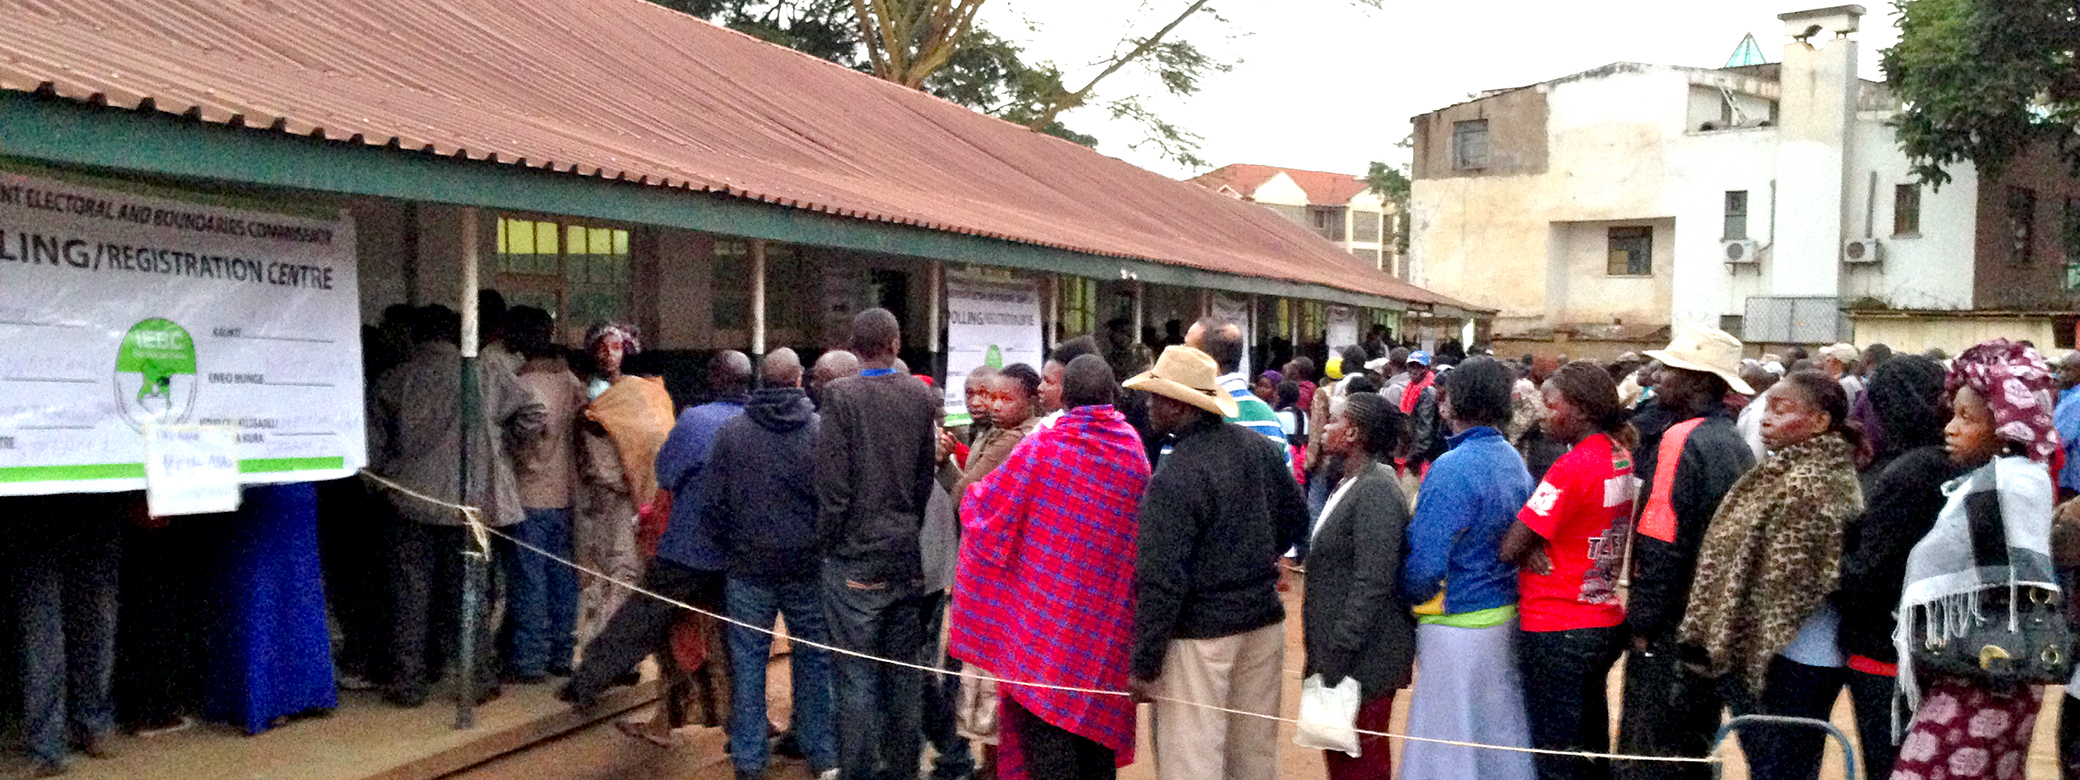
x=1984 y=79
x=938 y=46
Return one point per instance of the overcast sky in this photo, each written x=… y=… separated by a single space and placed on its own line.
x=1330 y=84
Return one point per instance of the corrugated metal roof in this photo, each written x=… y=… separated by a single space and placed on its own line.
x=625 y=89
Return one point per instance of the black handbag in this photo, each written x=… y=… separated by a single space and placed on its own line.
x=2035 y=648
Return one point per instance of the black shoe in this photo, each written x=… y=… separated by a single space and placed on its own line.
x=510 y=678
x=406 y=697
x=95 y=746
x=787 y=746
x=560 y=670
x=487 y=693
x=626 y=680
x=569 y=694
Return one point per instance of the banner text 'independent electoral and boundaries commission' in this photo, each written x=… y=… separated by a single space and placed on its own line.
x=120 y=311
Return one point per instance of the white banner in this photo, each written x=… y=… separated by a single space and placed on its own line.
x=121 y=311
x=988 y=323
x=1343 y=327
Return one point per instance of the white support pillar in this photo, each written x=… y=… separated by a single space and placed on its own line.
x=935 y=302
x=1140 y=305
x=758 y=297
x=1053 y=310
x=468 y=301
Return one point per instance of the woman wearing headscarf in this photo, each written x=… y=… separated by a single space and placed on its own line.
x=624 y=424
x=1903 y=491
x=1569 y=544
x=1355 y=622
x=2001 y=431
x=1466 y=633
x=1758 y=619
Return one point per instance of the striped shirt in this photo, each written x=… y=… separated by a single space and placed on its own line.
x=1252 y=413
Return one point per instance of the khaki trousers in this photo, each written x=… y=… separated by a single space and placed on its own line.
x=1241 y=672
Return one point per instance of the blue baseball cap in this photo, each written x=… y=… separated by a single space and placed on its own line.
x=1419 y=357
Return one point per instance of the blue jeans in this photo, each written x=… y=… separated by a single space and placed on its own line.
x=880 y=737
x=542 y=596
x=66 y=585
x=757 y=603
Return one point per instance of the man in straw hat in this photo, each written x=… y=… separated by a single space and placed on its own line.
x=1685 y=468
x=1209 y=628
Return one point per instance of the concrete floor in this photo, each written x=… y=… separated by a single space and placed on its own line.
x=604 y=753
x=517 y=738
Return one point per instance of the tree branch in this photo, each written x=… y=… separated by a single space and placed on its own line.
x=1055 y=108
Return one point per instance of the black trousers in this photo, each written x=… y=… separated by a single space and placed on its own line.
x=1871 y=694
x=641 y=625
x=1793 y=690
x=163 y=620
x=1566 y=674
x=953 y=757
x=1667 y=712
x=1051 y=752
x=426 y=568
x=351 y=541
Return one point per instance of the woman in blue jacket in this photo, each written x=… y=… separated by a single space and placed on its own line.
x=1468 y=688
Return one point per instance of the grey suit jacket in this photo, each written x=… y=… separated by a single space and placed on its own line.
x=1354 y=622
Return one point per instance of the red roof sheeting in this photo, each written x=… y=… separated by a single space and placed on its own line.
x=1322 y=187
x=625 y=89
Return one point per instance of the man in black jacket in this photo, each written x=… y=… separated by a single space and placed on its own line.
x=1209 y=627
x=1668 y=711
x=876 y=449
x=759 y=497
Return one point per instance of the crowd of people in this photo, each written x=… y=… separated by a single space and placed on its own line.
x=1752 y=535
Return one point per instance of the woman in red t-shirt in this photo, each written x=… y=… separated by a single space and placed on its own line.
x=1569 y=543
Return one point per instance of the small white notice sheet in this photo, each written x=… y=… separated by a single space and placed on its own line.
x=191 y=469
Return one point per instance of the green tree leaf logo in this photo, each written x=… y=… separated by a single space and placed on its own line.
x=158 y=349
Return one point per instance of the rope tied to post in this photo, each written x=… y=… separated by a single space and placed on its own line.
x=482 y=533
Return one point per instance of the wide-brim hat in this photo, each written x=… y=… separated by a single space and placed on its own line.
x=1706 y=349
x=1190 y=376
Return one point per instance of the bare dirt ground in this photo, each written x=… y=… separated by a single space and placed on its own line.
x=604 y=753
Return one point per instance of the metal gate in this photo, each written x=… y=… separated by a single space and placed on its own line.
x=1785 y=320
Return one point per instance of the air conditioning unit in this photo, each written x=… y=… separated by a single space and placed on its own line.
x=1739 y=251
x=1861 y=251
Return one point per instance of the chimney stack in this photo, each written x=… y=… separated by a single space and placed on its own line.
x=1816 y=117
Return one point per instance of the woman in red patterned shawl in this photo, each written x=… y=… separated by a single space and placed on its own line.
x=1045 y=589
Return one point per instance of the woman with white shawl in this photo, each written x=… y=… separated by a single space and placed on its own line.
x=1968 y=727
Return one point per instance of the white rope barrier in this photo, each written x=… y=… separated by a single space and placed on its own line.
x=482 y=533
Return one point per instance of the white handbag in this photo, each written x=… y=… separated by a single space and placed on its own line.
x=1328 y=716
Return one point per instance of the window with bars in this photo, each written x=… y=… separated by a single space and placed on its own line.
x=1736 y=215
x=1470 y=144
x=1365 y=226
x=578 y=273
x=2022 y=223
x=2072 y=243
x=1906 y=210
x=1079 y=306
x=1631 y=251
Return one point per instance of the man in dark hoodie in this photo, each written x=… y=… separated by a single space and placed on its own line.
x=1685 y=469
x=689 y=562
x=759 y=498
x=876 y=451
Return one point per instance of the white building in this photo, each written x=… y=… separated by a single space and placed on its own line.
x=1338 y=206
x=1771 y=200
